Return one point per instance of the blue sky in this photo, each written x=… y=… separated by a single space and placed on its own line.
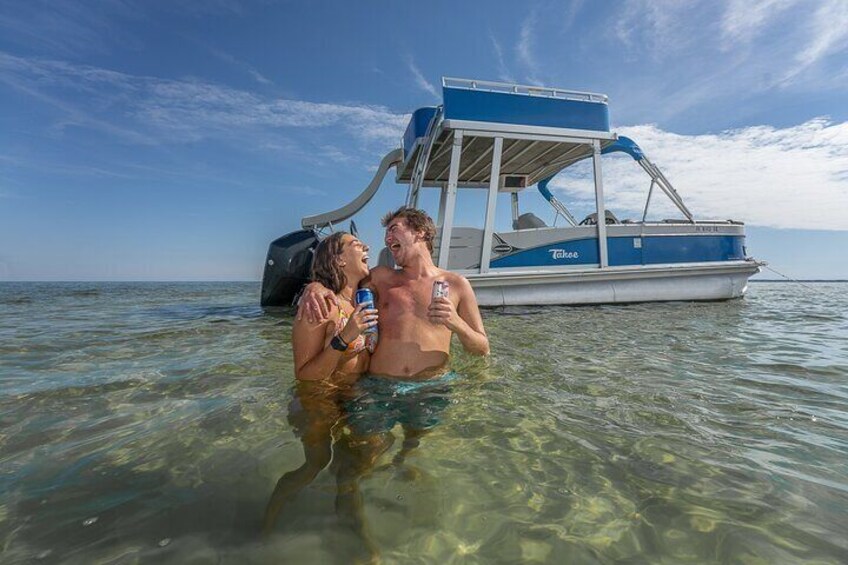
x=146 y=140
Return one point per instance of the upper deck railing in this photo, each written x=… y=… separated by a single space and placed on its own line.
x=526 y=90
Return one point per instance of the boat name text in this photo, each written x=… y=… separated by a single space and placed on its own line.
x=563 y=254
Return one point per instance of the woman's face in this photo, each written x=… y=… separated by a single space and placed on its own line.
x=354 y=258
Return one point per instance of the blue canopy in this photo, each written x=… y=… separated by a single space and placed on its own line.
x=623 y=144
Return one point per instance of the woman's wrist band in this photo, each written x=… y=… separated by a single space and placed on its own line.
x=338 y=343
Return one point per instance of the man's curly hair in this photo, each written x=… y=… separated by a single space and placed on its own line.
x=416 y=219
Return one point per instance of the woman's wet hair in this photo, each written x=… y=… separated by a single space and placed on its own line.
x=325 y=264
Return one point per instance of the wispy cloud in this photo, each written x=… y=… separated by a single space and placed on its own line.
x=744 y=20
x=246 y=67
x=698 y=54
x=68 y=27
x=571 y=10
x=524 y=49
x=422 y=82
x=173 y=111
x=813 y=34
x=503 y=71
x=661 y=28
x=794 y=177
x=828 y=34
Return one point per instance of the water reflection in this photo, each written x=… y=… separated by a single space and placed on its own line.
x=347 y=427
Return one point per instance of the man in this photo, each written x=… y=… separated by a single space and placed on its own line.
x=415 y=329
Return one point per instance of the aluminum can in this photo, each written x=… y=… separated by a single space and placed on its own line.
x=441 y=289
x=365 y=296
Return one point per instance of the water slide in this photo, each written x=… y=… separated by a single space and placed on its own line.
x=392 y=159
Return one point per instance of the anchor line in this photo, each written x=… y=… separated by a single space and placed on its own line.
x=790 y=279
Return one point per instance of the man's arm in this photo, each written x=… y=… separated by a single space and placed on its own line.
x=464 y=320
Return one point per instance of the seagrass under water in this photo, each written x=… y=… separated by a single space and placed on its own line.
x=151 y=422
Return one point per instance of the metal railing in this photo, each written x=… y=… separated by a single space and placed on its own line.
x=521 y=89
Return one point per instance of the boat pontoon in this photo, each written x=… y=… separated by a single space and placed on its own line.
x=504 y=138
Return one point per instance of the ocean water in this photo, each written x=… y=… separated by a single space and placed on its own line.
x=160 y=423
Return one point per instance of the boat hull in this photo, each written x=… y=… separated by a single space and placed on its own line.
x=655 y=283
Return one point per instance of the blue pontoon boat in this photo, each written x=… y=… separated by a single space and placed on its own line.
x=505 y=138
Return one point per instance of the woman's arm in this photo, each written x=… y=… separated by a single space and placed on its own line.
x=314 y=357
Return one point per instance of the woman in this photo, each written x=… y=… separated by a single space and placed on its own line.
x=336 y=349
x=328 y=356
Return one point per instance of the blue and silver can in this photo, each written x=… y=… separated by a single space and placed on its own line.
x=365 y=296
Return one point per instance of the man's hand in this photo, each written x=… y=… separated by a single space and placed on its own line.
x=443 y=312
x=315 y=303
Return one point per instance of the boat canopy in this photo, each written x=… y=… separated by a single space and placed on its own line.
x=525 y=116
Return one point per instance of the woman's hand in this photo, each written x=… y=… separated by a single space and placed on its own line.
x=359 y=321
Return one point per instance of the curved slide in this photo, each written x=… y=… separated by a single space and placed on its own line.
x=392 y=159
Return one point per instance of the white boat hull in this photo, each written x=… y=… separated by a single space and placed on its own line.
x=654 y=283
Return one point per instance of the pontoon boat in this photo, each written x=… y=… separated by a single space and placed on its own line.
x=505 y=138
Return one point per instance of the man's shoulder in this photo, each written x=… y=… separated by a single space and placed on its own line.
x=379 y=275
x=455 y=279
x=380 y=272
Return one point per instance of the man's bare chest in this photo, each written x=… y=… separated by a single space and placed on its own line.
x=403 y=299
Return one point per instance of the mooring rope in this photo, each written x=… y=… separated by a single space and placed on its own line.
x=790 y=279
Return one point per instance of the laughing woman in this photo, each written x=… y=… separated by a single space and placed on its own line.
x=329 y=356
x=336 y=349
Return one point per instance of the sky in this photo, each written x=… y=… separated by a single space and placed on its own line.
x=168 y=140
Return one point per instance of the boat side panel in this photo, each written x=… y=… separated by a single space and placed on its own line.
x=654 y=289
x=566 y=253
x=684 y=249
x=475 y=105
x=629 y=251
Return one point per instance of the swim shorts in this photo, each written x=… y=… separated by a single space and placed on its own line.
x=381 y=402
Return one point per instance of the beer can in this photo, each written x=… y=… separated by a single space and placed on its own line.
x=365 y=296
x=441 y=289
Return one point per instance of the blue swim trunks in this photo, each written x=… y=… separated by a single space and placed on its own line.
x=381 y=402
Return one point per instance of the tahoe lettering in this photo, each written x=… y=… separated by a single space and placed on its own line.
x=563 y=254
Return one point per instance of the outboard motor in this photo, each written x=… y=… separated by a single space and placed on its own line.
x=287 y=267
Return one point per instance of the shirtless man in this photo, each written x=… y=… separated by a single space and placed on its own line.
x=415 y=330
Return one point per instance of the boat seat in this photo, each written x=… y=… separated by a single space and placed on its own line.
x=592 y=219
x=528 y=221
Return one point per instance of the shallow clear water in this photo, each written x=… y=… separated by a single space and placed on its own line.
x=151 y=422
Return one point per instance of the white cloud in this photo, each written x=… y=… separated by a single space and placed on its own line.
x=812 y=32
x=744 y=20
x=422 y=82
x=795 y=177
x=524 y=48
x=172 y=111
x=662 y=27
x=503 y=71
x=828 y=33
x=229 y=59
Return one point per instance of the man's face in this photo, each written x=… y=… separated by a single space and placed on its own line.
x=402 y=241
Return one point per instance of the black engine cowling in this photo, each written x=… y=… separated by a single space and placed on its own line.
x=287 y=267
